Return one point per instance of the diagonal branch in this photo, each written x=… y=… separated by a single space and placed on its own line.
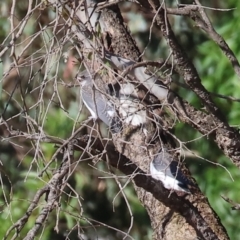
x=170 y=199
x=204 y=23
x=226 y=137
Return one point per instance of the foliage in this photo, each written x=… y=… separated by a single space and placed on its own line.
x=98 y=191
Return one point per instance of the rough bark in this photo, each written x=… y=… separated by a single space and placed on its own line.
x=165 y=221
x=212 y=123
x=173 y=215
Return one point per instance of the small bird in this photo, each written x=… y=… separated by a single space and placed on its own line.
x=164 y=168
x=131 y=109
x=94 y=96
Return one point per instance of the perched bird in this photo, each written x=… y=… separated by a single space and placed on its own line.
x=94 y=96
x=164 y=168
x=131 y=109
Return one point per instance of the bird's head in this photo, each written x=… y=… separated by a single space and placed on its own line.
x=84 y=78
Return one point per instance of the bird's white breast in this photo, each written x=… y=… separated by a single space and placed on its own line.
x=130 y=109
x=168 y=182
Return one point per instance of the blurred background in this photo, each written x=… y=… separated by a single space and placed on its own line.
x=41 y=99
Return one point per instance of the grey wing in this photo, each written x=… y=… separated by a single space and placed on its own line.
x=107 y=113
x=162 y=164
x=166 y=164
x=100 y=105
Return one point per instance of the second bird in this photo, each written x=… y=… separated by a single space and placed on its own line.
x=164 y=168
x=94 y=95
